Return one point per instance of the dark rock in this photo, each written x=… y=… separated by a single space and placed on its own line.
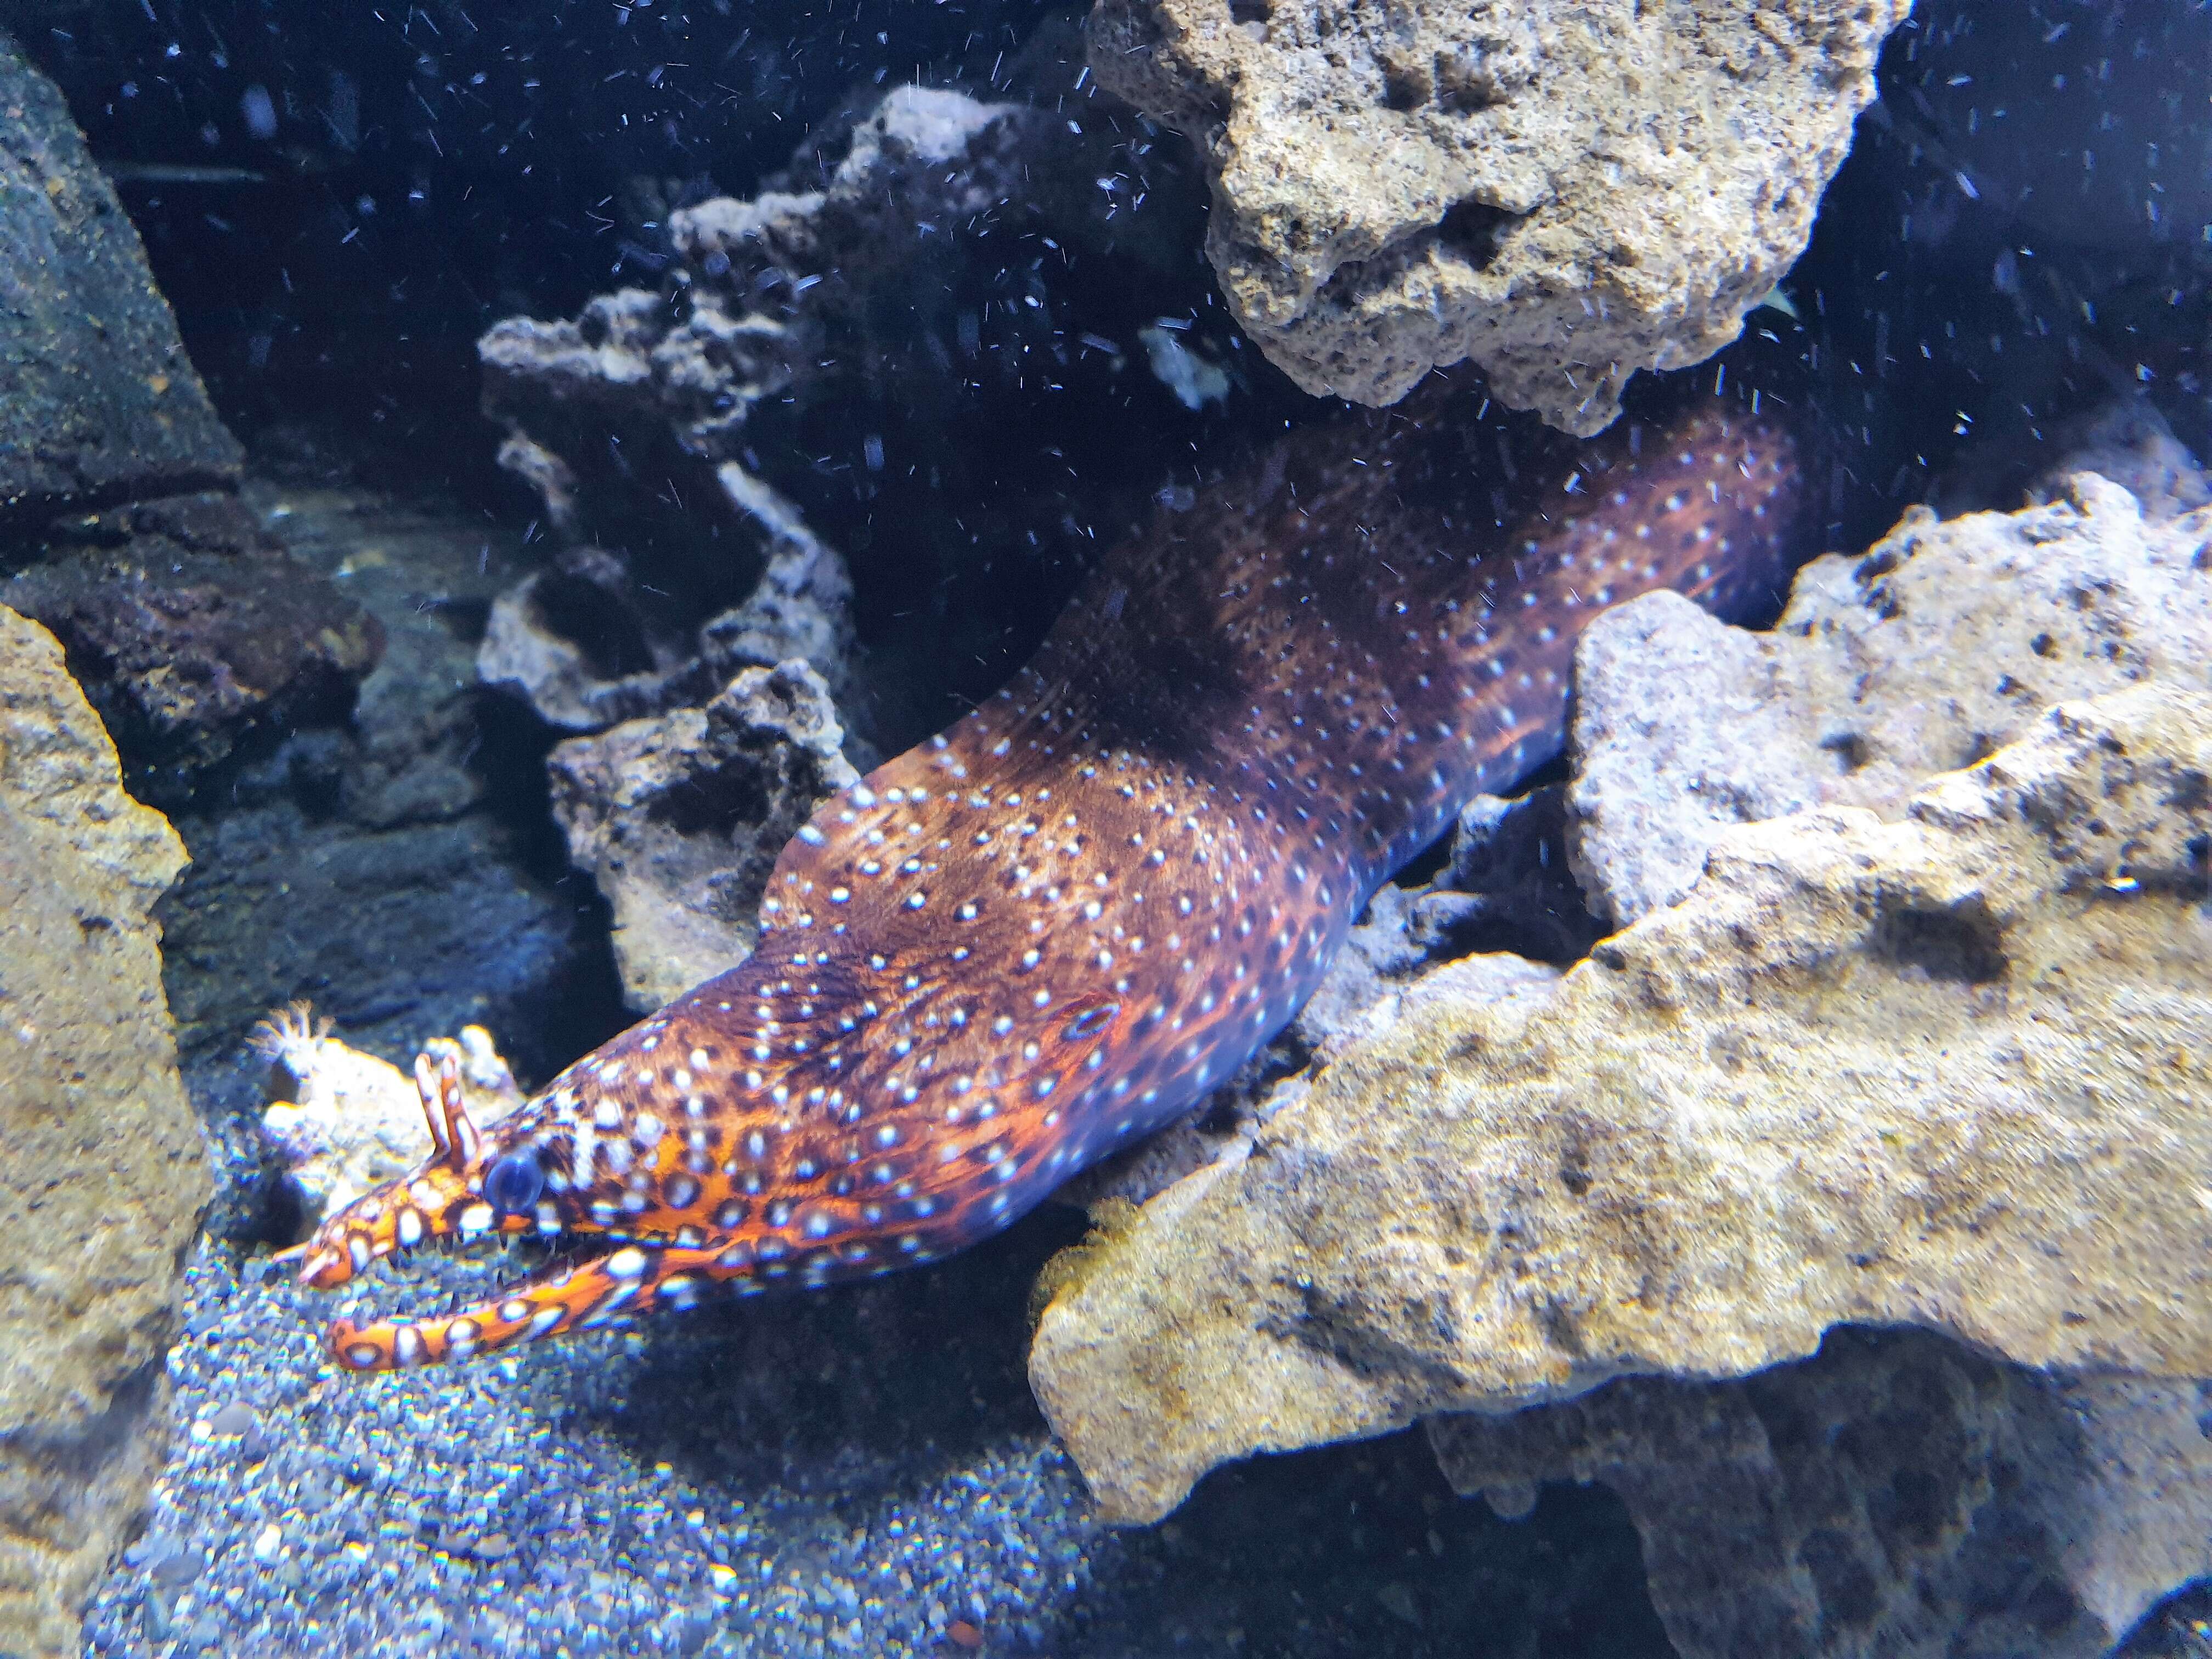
x=98 y=402
x=193 y=634
x=313 y=1494
x=399 y=871
x=680 y=819
x=1507 y=886
x=1894 y=1494
x=119 y=526
x=2110 y=97
x=175 y=1564
x=397 y=934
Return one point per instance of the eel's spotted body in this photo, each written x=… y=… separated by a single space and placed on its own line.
x=1048 y=931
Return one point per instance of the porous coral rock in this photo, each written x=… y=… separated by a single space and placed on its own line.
x=1942 y=641
x=680 y=818
x=1895 y=1495
x=765 y=281
x=1564 y=194
x=1953 y=1070
x=105 y=1174
x=344 y=1121
x=567 y=639
x=835 y=348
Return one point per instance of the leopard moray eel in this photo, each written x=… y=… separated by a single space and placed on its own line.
x=1050 y=930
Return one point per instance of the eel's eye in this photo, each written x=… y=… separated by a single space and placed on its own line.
x=511 y=1185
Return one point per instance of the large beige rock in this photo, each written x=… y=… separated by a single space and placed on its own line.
x=1942 y=641
x=1894 y=1495
x=1565 y=194
x=104 y=1175
x=1952 y=1070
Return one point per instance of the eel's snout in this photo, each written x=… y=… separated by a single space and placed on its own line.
x=437 y=1201
x=325 y=1268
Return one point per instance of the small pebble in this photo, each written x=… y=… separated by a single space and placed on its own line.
x=270 y=1544
x=236 y=1417
x=313 y=1494
x=174 y=1565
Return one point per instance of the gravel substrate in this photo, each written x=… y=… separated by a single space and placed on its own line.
x=850 y=1473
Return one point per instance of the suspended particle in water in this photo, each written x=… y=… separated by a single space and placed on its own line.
x=258 y=111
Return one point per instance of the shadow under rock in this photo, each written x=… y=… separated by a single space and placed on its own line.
x=845 y=1393
x=1365 y=1549
x=843 y=1397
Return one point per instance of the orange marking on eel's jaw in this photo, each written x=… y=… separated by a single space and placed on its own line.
x=607 y=1290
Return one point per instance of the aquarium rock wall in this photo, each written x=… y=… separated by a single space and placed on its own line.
x=1741 y=1189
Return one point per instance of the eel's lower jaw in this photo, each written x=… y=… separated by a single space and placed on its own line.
x=573 y=1298
x=336 y=1264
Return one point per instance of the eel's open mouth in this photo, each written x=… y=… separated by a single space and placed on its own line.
x=441 y=1206
x=588 y=1279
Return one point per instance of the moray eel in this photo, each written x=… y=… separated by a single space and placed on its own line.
x=1048 y=931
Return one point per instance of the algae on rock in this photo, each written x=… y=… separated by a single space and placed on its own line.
x=1953 y=1070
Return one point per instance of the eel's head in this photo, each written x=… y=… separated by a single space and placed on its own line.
x=477 y=1184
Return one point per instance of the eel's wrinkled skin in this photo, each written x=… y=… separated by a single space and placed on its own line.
x=1050 y=930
